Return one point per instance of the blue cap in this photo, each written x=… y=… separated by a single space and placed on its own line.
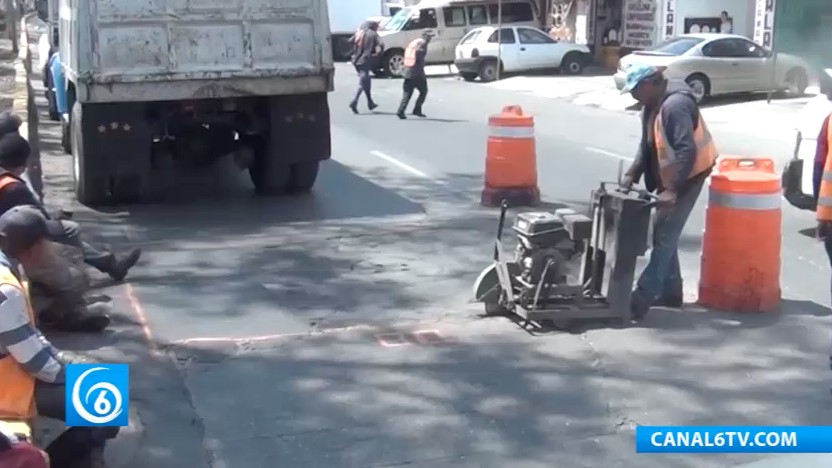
x=637 y=72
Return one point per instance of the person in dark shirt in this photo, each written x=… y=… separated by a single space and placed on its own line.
x=414 y=75
x=14 y=157
x=366 y=48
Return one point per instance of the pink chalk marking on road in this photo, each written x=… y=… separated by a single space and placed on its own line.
x=392 y=340
x=141 y=316
x=271 y=337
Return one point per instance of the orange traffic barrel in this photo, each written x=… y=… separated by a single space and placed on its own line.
x=510 y=160
x=740 y=264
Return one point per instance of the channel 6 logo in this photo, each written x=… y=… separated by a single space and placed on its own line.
x=97 y=394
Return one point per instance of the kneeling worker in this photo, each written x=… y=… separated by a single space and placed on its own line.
x=675 y=156
x=31 y=369
x=414 y=74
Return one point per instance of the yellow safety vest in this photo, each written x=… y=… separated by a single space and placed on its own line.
x=17 y=386
x=410 y=52
x=824 y=209
x=706 y=153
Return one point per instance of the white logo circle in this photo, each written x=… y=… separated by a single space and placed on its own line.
x=107 y=411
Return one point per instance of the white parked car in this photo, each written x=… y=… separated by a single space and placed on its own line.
x=714 y=64
x=522 y=48
x=798 y=186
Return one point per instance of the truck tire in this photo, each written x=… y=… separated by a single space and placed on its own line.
x=286 y=158
x=392 y=63
x=303 y=175
x=66 y=137
x=90 y=187
x=268 y=173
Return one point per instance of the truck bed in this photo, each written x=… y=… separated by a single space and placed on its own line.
x=180 y=49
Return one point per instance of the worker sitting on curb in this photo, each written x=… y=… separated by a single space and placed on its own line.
x=17 y=452
x=61 y=230
x=675 y=156
x=59 y=281
x=31 y=369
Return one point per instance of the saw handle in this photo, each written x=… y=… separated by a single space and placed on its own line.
x=500 y=225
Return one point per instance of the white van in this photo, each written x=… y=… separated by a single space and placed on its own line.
x=451 y=20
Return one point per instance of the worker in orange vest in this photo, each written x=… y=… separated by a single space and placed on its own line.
x=413 y=72
x=32 y=370
x=823 y=189
x=367 y=48
x=676 y=155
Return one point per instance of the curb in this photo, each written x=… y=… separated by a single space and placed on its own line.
x=123 y=450
x=24 y=104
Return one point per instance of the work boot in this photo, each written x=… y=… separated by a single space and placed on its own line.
x=674 y=302
x=672 y=297
x=639 y=305
x=83 y=318
x=418 y=113
x=372 y=106
x=354 y=107
x=400 y=114
x=122 y=264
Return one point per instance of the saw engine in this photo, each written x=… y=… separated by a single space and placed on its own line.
x=544 y=248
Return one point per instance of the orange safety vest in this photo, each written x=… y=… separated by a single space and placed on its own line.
x=17 y=386
x=706 y=153
x=410 y=52
x=6 y=179
x=824 y=209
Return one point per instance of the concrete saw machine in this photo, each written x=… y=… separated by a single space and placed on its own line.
x=570 y=266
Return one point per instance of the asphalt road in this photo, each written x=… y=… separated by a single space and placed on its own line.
x=334 y=330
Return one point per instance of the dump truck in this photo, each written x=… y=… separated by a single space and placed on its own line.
x=153 y=84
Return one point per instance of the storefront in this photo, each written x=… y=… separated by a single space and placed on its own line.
x=694 y=16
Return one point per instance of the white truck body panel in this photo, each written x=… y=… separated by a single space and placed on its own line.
x=149 y=50
x=345 y=16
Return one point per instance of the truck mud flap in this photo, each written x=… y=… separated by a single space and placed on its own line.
x=299 y=127
x=117 y=146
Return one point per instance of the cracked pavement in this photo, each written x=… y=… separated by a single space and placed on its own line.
x=267 y=313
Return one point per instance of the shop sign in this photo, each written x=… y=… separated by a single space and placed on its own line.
x=639 y=24
x=669 y=18
x=764 y=23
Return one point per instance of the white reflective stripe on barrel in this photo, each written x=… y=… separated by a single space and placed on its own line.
x=827 y=176
x=825 y=201
x=746 y=201
x=498 y=131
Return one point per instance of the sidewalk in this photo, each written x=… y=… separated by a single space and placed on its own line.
x=123 y=341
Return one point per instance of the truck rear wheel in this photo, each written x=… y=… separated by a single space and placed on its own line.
x=303 y=176
x=90 y=188
x=287 y=158
x=269 y=175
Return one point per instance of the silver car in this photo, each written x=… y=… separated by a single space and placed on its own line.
x=715 y=64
